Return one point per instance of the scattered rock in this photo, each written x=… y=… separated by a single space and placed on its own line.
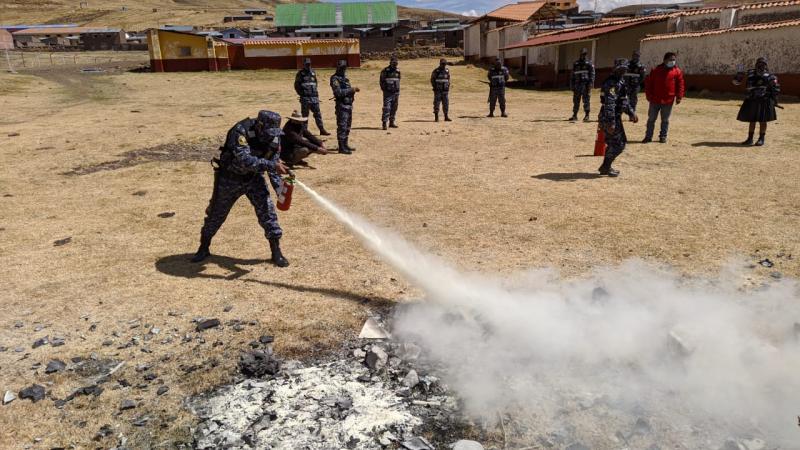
x=104 y=432
x=162 y=390
x=126 y=405
x=166 y=215
x=33 y=393
x=766 y=263
x=417 y=443
x=409 y=351
x=372 y=330
x=54 y=366
x=15 y=134
x=467 y=445
x=9 y=397
x=411 y=379
x=57 y=341
x=776 y=275
x=266 y=339
x=344 y=403
x=18 y=325
x=141 y=421
x=599 y=293
x=206 y=324
x=140 y=193
x=228 y=308
x=678 y=346
x=258 y=364
x=40 y=342
x=376 y=358
x=61 y=242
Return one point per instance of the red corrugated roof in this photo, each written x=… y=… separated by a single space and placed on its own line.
x=578 y=34
x=757 y=26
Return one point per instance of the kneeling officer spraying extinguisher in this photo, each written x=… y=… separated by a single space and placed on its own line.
x=251 y=148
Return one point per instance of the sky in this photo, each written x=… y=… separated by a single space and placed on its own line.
x=480 y=7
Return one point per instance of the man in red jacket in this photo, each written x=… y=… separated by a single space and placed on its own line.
x=663 y=88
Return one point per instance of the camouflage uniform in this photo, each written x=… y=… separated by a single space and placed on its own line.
x=440 y=81
x=634 y=78
x=390 y=85
x=244 y=158
x=344 y=94
x=614 y=102
x=498 y=77
x=305 y=84
x=581 y=82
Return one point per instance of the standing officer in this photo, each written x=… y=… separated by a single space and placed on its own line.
x=634 y=78
x=440 y=81
x=390 y=85
x=581 y=83
x=498 y=77
x=614 y=102
x=305 y=84
x=251 y=148
x=344 y=94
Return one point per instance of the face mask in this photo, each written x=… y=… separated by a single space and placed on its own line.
x=670 y=64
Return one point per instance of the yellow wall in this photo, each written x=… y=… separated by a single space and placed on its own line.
x=170 y=45
x=331 y=48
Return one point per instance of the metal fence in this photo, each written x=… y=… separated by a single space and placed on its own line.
x=11 y=61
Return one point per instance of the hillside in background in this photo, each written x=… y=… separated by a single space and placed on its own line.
x=142 y=14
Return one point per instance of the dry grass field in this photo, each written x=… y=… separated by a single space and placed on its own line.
x=90 y=161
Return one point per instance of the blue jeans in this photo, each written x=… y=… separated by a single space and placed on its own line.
x=652 y=115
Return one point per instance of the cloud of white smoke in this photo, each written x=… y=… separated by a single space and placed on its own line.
x=694 y=354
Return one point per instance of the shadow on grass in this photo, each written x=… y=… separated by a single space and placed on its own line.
x=420 y=121
x=368 y=128
x=181 y=266
x=472 y=117
x=718 y=144
x=550 y=120
x=566 y=176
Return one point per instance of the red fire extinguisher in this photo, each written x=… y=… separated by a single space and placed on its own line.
x=600 y=142
x=285 y=192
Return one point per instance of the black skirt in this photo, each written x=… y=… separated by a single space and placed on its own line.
x=757 y=110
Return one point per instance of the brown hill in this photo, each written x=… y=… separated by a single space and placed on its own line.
x=142 y=14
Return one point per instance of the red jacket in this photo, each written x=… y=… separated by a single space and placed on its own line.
x=663 y=85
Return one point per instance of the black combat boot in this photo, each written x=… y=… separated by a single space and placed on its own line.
x=760 y=140
x=491 y=114
x=574 y=117
x=586 y=118
x=277 y=256
x=323 y=132
x=749 y=140
x=383 y=125
x=343 y=148
x=606 y=168
x=447 y=118
x=392 y=124
x=347 y=144
x=503 y=114
x=203 y=252
x=435 y=117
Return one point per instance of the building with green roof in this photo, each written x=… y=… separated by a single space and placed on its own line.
x=294 y=16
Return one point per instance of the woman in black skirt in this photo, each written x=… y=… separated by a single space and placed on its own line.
x=762 y=98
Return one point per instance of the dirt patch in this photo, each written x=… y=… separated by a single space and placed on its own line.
x=202 y=150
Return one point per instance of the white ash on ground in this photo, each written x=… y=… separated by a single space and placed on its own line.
x=369 y=398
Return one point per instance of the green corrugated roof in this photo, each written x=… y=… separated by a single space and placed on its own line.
x=325 y=14
x=289 y=15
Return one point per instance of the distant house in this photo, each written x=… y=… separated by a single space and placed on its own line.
x=6 y=40
x=177 y=52
x=255 y=12
x=320 y=33
x=236 y=18
x=447 y=36
x=49 y=37
x=179 y=28
x=103 y=39
x=234 y=33
x=482 y=40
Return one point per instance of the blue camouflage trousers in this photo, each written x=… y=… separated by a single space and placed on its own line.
x=227 y=190
x=633 y=97
x=311 y=104
x=615 y=140
x=391 y=101
x=344 y=120
x=497 y=94
x=441 y=98
x=581 y=91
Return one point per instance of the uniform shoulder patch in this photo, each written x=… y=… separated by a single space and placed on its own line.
x=242 y=140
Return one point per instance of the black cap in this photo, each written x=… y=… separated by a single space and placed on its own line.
x=341 y=64
x=306 y=60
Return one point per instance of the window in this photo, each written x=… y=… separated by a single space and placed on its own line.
x=184 y=51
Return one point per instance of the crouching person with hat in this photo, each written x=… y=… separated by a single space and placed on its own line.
x=297 y=142
x=251 y=148
x=614 y=102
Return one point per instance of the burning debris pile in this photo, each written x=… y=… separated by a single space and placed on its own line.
x=374 y=395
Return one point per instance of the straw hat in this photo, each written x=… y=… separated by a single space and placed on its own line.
x=297 y=117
